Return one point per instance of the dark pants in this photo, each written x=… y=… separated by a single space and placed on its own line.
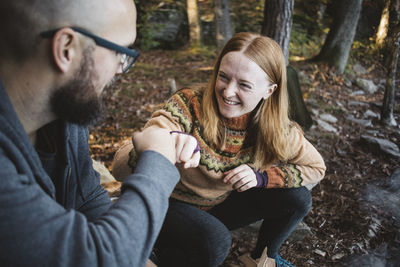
x=192 y=237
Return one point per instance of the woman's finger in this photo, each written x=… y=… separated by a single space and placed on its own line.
x=247 y=186
x=194 y=161
x=231 y=173
x=188 y=148
x=241 y=182
x=178 y=145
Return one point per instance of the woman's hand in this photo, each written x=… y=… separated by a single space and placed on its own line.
x=186 y=150
x=241 y=178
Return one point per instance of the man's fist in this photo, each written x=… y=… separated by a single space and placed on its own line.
x=156 y=139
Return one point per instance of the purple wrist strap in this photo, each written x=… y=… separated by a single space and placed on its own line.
x=262 y=179
x=197 y=149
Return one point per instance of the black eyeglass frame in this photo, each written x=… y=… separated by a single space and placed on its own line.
x=131 y=52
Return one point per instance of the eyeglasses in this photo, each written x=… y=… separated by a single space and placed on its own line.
x=128 y=55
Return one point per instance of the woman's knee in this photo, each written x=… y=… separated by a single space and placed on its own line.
x=305 y=200
x=203 y=239
x=299 y=200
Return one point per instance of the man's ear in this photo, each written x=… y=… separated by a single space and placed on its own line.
x=64 y=47
x=270 y=90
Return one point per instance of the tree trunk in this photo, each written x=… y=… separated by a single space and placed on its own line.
x=277 y=23
x=321 y=12
x=336 y=48
x=394 y=13
x=194 y=22
x=298 y=109
x=388 y=100
x=383 y=26
x=222 y=22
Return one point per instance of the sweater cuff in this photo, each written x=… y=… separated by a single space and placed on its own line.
x=262 y=179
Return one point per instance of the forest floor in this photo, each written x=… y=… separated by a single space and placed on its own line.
x=340 y=225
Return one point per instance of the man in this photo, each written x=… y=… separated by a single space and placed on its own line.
x=56 y=57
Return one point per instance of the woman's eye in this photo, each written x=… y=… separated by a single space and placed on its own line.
x=245 y=86
x=223 y=78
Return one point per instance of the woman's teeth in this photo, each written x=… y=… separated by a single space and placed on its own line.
x=229 y=102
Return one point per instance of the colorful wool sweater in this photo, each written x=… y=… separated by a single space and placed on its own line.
x=203 y=186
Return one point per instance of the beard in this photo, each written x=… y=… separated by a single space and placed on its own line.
x=77 y=101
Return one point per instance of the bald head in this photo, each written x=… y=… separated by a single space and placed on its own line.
x=23 y=20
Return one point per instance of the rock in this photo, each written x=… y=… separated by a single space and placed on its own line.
x=326 y=126
x=341 y=152
x=246 y=231
x=315 y=111
x=366 y=260
x=338 y=256
x=390 y=121
x=397 y=133
x=385 y=194
x=379 y=146
x=340 y=105
x=173 y=88
x=167 y=26
x=302 y=230
x=347 y=82
x=328 y=118
x=367 y=85
x=310 y=262
x=320 y=252
x=358 y=103
x=312 y=102
x=369 y=113
x=366 y=123
x=385 y=256
x=358 y=92
x=208 y=29
x=256 y=226
x=359 y=69
x=373 y=132
x=105 y=175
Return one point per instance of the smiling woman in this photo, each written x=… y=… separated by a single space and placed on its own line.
x=254 y=161
x=241 y=84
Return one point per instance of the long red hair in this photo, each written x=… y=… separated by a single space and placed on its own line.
x=270 y=121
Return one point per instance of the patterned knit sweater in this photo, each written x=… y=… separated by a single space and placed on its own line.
x=203 y=186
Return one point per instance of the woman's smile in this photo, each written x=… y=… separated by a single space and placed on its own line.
x=230 y=102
